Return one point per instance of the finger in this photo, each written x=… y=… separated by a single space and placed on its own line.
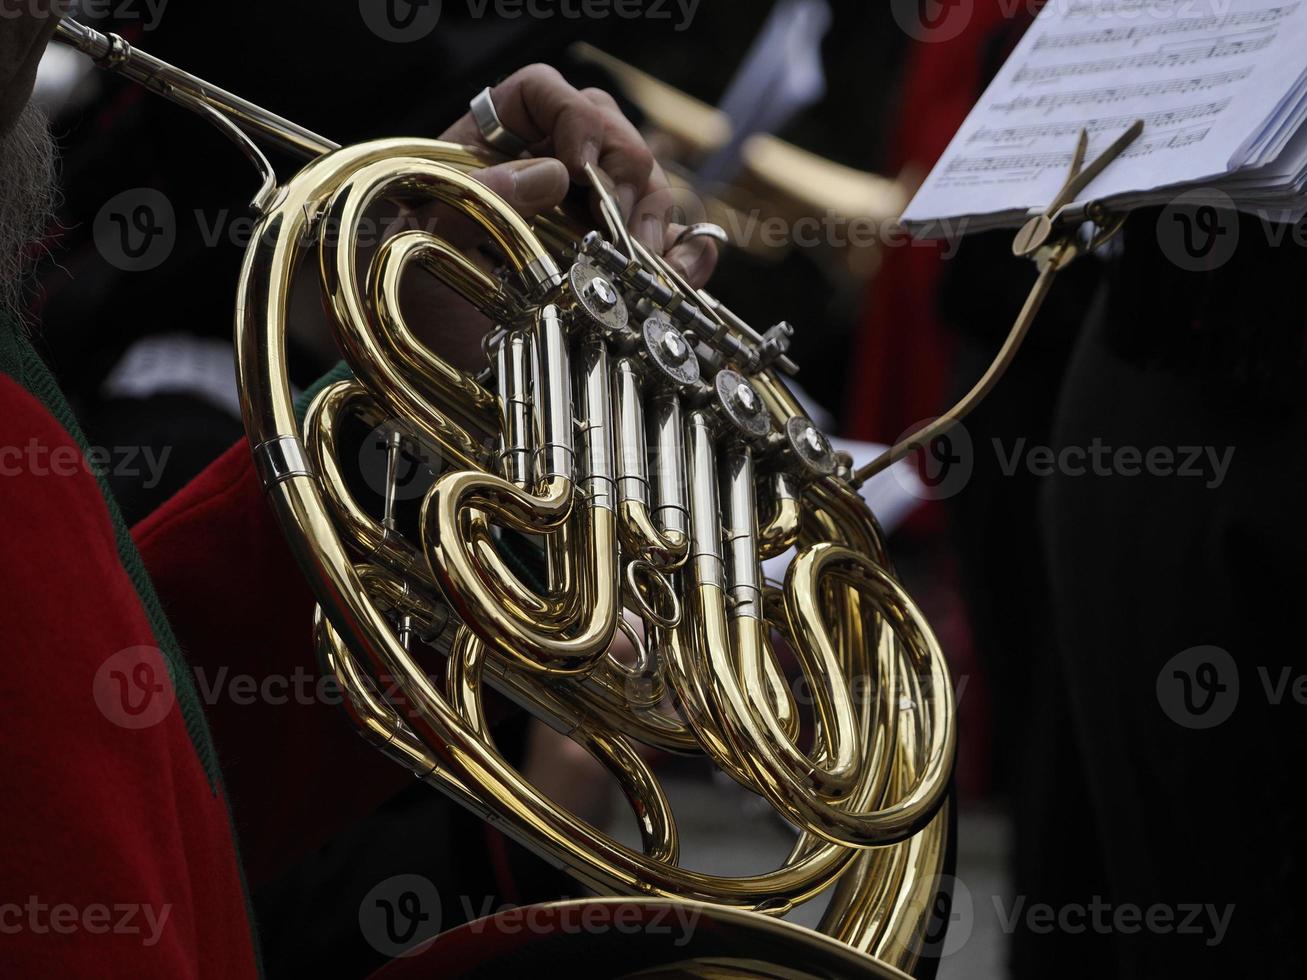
x=626 y=158
x=658 y=207
x=658 y=204
x=541 y=108
x=530 y=186
x=630 y=163
x=695 y=259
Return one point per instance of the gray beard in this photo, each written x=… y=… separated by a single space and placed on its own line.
x=27 y=200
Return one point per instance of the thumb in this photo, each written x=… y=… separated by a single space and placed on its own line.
x=530 y=186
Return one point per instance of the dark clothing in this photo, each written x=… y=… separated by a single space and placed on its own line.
x=1146 y=567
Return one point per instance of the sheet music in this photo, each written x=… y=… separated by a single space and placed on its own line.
x=1212 y=80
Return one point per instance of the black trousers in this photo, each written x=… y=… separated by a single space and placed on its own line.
x=1160 y=801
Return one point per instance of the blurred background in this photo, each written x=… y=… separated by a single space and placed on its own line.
x=804 y=125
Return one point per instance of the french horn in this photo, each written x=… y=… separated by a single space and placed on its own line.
x=630 y=456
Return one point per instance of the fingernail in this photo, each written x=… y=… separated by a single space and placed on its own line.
x=678 y=262
x=626 y=198
x=690 y=260
x=650 y=231
x=539 y=182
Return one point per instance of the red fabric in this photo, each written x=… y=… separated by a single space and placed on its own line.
x=295 y=770
x=98 y=815
x=903 y=354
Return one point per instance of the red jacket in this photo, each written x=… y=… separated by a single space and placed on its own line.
x=119 y=857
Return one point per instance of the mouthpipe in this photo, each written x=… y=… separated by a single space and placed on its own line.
x=112 y=53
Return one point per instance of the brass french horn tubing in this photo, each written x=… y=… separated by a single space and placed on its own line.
x=639 y=430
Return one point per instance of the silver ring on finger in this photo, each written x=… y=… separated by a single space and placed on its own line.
x=704 y=229
x=492 y=128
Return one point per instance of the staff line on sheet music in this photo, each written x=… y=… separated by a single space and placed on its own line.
x=1050 y=101
x=1062 y=158
x=1161 y=119
x=1116 y=35
x=1207 y=51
